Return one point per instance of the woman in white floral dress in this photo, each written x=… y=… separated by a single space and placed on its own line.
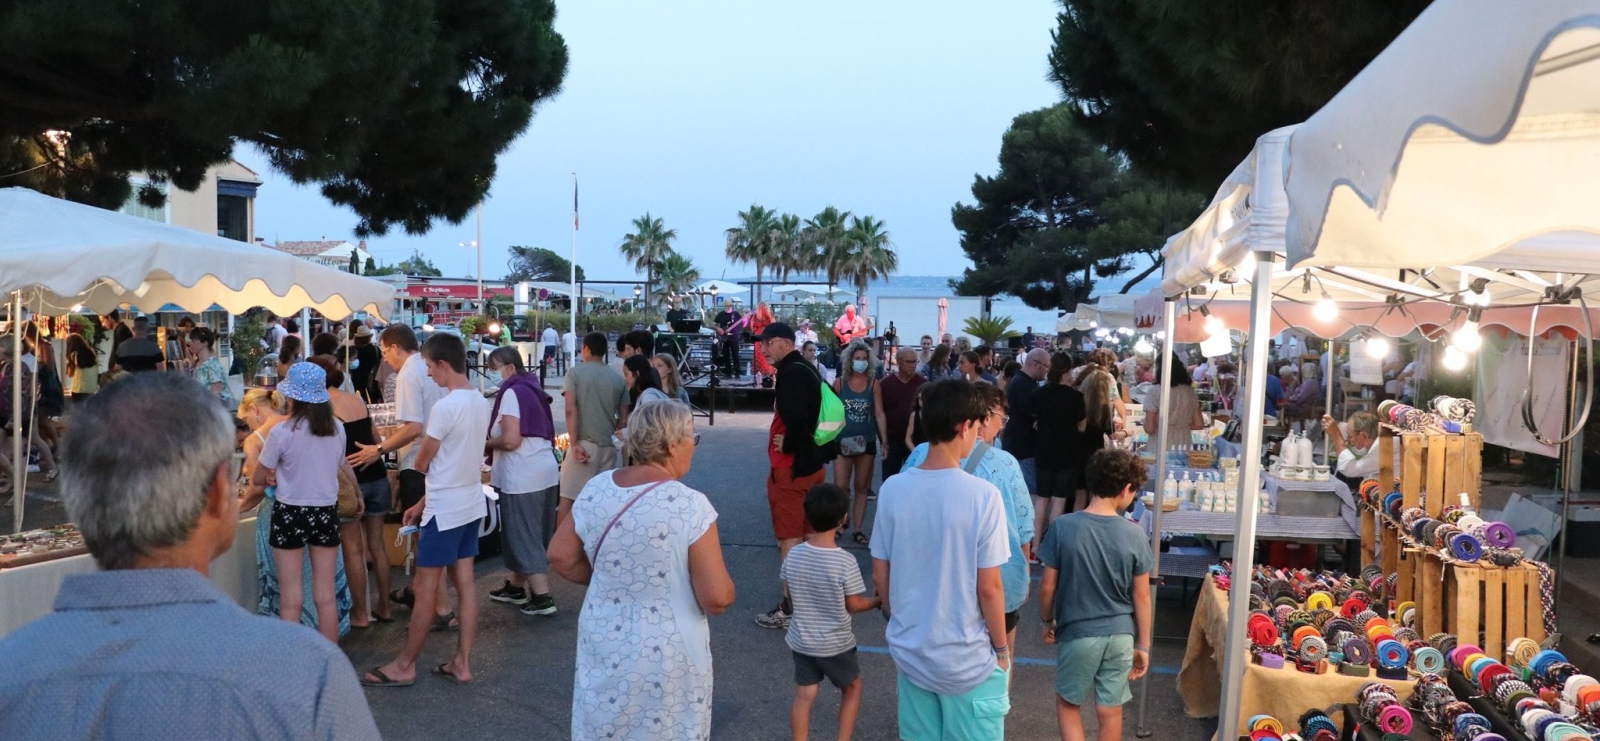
x=647 y=547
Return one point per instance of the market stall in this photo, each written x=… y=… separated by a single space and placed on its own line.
x=56 y=255
x=1456 y=170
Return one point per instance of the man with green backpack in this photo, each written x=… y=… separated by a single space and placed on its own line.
x=807 y=417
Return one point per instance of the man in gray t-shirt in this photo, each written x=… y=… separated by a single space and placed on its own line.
x=594 y=395
x=1095 y=595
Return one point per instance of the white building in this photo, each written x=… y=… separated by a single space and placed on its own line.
x=334 y=253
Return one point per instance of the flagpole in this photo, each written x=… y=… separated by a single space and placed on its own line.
x=572 y=308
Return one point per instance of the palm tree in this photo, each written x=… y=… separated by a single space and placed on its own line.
x=826 y=233
x=790 y=251
x=678 y=276
x=871 y=254
x=649 y=243
x=751 y=241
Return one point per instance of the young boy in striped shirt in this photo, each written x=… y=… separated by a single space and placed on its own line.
x=825 y=586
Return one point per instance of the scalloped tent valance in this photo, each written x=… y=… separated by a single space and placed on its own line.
x=60 y=254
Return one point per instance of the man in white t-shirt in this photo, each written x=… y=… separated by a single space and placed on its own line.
x=552 y=344
x=937 y=546
x=451 y=454
x=413 y=396
x=275 y=334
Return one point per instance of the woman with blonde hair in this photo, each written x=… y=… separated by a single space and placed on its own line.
x=858 y=441
x=671 y=383
x=646 y=545
x=1101 y=425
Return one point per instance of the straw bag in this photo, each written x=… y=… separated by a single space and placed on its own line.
x=349 y=497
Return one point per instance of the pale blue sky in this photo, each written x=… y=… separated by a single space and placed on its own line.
x=693 y=111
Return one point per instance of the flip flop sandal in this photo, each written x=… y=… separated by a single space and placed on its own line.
x=403 y=596
x=445 y=623
x=443 y=672
x=389 y=619
x=384 y=680
x=860 y=537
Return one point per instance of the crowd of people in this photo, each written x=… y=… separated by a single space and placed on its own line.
x=985 y=479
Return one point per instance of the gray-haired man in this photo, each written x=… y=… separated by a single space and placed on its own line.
x=150 y=647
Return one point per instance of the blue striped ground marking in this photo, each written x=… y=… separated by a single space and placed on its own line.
x=1022 y=660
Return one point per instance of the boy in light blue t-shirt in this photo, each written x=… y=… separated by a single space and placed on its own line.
x=1095 y=596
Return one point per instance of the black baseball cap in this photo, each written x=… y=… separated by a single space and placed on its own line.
x=777 y=331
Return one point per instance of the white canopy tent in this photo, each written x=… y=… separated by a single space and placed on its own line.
x=813 y=290
x=56 y=255
x=721 y=287
x=1459 y=165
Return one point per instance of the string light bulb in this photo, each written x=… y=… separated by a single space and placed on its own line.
x=1378 y=347
x=1214 y=326
x=1325 y=310
x=1454 y=359
x=1467 y=338
x=1143 y=346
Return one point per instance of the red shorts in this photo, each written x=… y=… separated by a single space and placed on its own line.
x=786 y=495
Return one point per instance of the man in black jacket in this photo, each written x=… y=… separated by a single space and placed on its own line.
x=797 y=461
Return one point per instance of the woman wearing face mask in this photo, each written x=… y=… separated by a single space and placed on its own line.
x=858 y=442
x=528 y=478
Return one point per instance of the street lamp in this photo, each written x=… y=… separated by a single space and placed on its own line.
x=637 y=291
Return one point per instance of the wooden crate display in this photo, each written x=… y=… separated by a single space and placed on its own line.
x=1480 y=603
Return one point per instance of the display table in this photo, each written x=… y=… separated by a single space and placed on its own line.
x=29 y=592
x=1347 y=510
x=1224 y=525
x=1281 y=693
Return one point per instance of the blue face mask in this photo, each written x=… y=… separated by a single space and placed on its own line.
x=859 y=366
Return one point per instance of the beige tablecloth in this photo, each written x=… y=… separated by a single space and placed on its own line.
x=28 y=593
x=1281 y=693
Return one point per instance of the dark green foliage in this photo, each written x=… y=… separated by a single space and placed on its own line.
x=538 y=263
x=416 y=264
x=1183 y=88
x=1061 y=212
x=397 y=108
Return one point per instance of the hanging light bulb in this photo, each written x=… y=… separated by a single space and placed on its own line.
x=1378 y=347
x=1467 y=338
x=1454 y=359
x=1161 y=334
x=1325 y=310
x=1214 y=326
x=1143 y=346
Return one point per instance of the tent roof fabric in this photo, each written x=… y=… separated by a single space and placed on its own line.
x=1477 y=129
x=59 y=254
x=313 y=248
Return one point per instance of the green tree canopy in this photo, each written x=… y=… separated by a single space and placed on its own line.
x=649 y=244
x=416 y=264
x=1184 y=88
x=677 y=275
x=538 y=263
x=1061 y=212
x=397 y=109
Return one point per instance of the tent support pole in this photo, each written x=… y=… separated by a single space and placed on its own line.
x=1566 y=471
x=1163 y=351
x=1244 y=543
x=19 y=464
x=1329 y=375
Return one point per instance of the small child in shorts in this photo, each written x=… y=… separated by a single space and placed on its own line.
x=825 y=585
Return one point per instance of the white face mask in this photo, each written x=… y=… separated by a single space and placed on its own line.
x=506 y=371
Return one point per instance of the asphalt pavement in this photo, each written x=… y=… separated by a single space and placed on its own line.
x=524 y=665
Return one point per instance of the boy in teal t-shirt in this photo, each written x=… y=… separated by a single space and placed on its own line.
x=1095 y=596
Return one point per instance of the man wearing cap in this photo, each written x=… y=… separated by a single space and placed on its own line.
x=805 y=333
x=796 y=459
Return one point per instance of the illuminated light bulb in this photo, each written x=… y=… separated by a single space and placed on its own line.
x=1325 y=310
x=494 y=328
x=1101 y=333
x=1454 y=359
x=1466 y=339
x=1161 y=335
x=1476 y=299
x=77 y=308
x=1093 y=325
x=1378 y=347
x=1143 y=346
x=1214 y=326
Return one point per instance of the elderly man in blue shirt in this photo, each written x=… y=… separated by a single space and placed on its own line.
x=1001 y=469
x=149 y=647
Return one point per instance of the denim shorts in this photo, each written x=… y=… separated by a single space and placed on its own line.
x=978 y=715
x=375 y=497
x=437 y=547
